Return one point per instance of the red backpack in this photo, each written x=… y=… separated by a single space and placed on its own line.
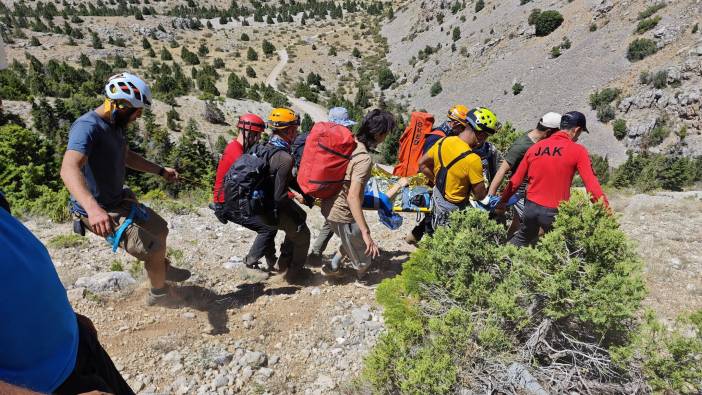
x=324 y=160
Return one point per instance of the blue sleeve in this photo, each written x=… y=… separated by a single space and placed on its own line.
x=429 y=142
x=81 y=138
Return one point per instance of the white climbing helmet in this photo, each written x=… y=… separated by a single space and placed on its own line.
x=129 y=87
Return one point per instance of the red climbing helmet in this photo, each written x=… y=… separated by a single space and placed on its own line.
x=251 y=123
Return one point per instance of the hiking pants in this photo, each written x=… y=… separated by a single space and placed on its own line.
x=535 y=217
x=423 y=227
x=352 y=245
x=94 y=370
x=293 y=251
x=321 y=242
x=264 y=243
x=443 y=209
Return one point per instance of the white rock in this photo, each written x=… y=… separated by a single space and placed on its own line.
x=75 y=294
x=106 y=282
x=220 y=381
x=361 y=315
x=253 y=359
x=173 y=356
x=247 y=317
x=189 y=315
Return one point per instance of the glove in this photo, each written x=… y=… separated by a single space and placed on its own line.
x=493 y=201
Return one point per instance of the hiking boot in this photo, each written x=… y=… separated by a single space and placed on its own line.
x=218 y=212
x=297 y=275
x=363 y=283
x=314 y=259
x=411 y=239
x=271 y=261
x=329 y=272
x=176 y=274
x=168 y=299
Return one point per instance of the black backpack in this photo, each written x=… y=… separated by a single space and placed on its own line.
x=440 y=177
x=298 y=146
x=244 y=182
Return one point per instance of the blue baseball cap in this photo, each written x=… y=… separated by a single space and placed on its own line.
x=340 y=115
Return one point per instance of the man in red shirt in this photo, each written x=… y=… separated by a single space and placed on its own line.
x=250 y=127
x=549 y=167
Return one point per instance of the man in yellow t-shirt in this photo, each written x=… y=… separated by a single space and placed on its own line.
x=457 y=172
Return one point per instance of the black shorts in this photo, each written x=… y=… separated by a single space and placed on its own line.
x=94 y=370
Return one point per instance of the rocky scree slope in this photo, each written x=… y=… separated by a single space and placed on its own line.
x=498 y=48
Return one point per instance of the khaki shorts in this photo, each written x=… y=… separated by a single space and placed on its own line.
x=143 y=238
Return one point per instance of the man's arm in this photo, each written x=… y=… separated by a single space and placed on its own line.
x=479 y=191
x=426 y=166
x=592 y=185
x=393 y=190
x=9 y=389
x=139 y=163
x=355 y=201
x=74 y=180
x=499 y=176
x=515 y=181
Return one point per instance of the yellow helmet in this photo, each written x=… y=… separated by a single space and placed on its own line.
x=282 y=118
x=483 y=120
x=458 y=113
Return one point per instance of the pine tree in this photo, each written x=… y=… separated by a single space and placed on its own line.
x=192 y=159
x=251 y=55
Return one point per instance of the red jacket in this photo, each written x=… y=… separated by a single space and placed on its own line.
x=231 y=153
x=549 y=166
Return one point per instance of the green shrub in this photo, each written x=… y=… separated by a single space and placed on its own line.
x=660 y=79
x=656 y=135
x=604 y=96
x=645 y=25
x=605 y=113
x=116 y=266
x=505 y=136
x=464 y=302
x=456 y=34
x=479 y=5
x=555 y=52
x=547 y=22
x=385 y=78
x=619 y=128
x=34 y=41
x=640 y=48
x=268 y=48
x=517 y=88
x=600 y=165
x=593 y=27
x=669 y=357
x=650 y=10
x=70 y=240
x=165 y=54
x=647 y=171
x=251 y=55
x=435 y=89
x=533 y=16
x=695 y=28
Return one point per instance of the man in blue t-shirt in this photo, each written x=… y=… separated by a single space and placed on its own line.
x=45 y=346
x=94 y=168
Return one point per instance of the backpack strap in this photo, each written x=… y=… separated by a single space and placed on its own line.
x=455 y=160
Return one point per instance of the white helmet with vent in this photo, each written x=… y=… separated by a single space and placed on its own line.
x=129 y=87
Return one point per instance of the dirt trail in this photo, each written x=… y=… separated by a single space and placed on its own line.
x=315 y=111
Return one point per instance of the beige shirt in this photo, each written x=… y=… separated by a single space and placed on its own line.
x=336 y=208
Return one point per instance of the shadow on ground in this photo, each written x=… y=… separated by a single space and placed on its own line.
x=216 y=305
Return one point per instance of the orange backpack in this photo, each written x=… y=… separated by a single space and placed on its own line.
x=411 y=144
